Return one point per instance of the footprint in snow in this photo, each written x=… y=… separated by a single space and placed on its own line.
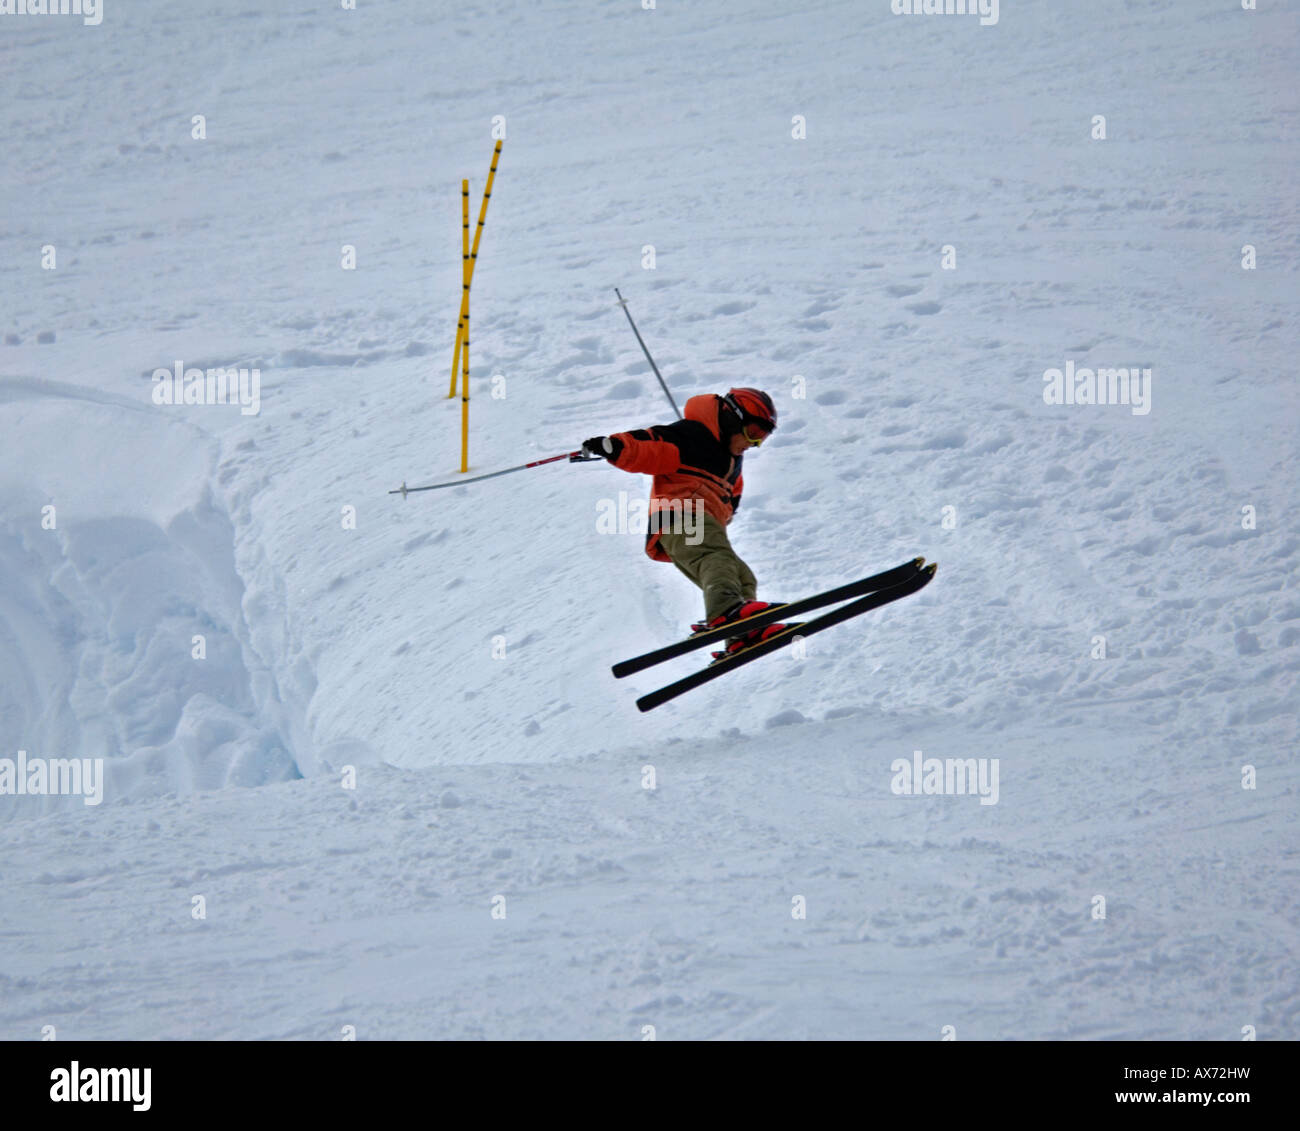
x=952 y=439
x=624 y=391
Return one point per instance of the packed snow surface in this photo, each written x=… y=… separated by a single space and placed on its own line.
x=364 y=761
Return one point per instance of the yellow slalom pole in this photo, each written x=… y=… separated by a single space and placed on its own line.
x=473 y=257
x=464 y=391
x=482 y=212
x=464 y=281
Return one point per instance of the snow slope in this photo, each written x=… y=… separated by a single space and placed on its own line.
x=455 y=646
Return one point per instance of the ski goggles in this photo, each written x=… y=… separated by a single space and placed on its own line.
x=754 y=433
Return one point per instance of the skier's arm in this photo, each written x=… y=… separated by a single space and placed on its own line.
x=736 y=492
x=641 y=452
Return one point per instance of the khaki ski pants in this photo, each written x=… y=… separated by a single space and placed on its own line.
x=713 y=565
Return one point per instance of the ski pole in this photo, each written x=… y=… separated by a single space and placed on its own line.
x=623 y=303
x=573 y=457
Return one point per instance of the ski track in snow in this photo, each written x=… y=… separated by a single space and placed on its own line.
x=481 y=775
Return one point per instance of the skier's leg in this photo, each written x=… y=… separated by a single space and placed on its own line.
x=686 y=566
x=748 y=582
x=726 y=580
x=713 y=565
x=680 y=555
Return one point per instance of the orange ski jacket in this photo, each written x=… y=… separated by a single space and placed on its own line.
x=690 y=459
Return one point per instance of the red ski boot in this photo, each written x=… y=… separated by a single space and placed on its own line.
x=745 y=639
x=735 y=613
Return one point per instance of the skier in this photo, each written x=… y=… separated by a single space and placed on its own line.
x=696 y=464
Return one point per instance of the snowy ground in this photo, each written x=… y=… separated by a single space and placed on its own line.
x=797 y=265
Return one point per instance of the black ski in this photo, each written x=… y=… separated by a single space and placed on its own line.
x=770 y=616
x=845 y=612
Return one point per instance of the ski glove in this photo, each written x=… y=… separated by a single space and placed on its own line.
x=607 y=447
